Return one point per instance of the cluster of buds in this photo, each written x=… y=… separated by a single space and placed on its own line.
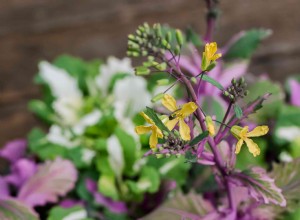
x=236 y=90
x=173 y=145
x=153 y=42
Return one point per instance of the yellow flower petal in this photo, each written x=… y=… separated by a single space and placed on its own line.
x=253 y=147
x=216 y=56
x=169 y=102
x=187 y=109
x=159 y=133
x=171 y=123
x=153 y=139
x=210 y=125
x=184 y=130
x=142 y=129
x=238 y=146
x=244 y=132
x=258 y=131
x=236 y=130
x=147 y=119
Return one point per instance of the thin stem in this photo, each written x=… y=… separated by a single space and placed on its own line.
x=223 y=122
x=211 y=21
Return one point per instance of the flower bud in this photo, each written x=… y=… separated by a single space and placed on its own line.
x=141 y=70
x=179 y=37
x=157 y=97
x=162 y=82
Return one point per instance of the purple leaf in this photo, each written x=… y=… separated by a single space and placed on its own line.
x=14 y=150
x=113 y=206
x=4 y=189
x=52 y=179
x=69 y=203
x=295 y=92
x=13 y=209
x=191 y=206
x=21 y=171
x=260 y=186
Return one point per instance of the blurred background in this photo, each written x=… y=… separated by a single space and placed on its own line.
x=34 y=30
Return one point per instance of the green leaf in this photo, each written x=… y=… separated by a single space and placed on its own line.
x=151 y=114
x=246 y=44
x=193 y=37
x=42 y=111
x=210 y=80
x=271 y=106
x=81 y=189
x=191 y=206
x=190 y=157
x=260 y=186
x=238 y=111
x=14 y=209
x=171 y=168
x=58 y=212
x=107 y=186
x=199 y=138
x=129 y=149
x=287 y=177
x=40 y=146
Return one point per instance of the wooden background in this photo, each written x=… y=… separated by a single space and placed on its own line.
x=32 y=30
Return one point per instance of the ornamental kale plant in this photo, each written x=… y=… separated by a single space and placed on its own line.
x=92 y=109
x=201 y=133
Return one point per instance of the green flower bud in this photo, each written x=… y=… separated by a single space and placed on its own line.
x=131 y=37
x=177 y=50
x=165 y=133
x=225 y=93
x=141 y=70
x=166 y=44
x=161 y=66
x=169 y=37
x=162 y=82
x=179 y=37
x=157 y=97
x=194 y=80
x=157 y=29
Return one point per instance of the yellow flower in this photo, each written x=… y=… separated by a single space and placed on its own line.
x=209 y=55
x=178 y=115
x=243 y=134
x=156 y=132
x=210 y=125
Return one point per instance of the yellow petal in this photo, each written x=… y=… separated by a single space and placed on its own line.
x=142 y=129
x=172 y=123
x=153 y=139
x=236 y=130
x=210 y=125
x=187 y=109
x=244 y=132
x=253 y=147
x=184 y=130
x=238 y=146
x=258 y=131
x=147 y=119
x=216 y=56
x=159 y=133
x=169 y=102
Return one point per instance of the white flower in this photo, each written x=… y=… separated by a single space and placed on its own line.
x=88 y=120
x=131 y=97
x=116 y=157
x=113 y=67
x=288 y=133
x=87 y=155
x=62 y=137
x=59 y=81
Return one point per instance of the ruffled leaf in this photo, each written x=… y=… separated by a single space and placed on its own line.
x=52 y=179
x=11 y=209
x=191 y=206
x=287 y=177
x=260 y=186
x=75 y=212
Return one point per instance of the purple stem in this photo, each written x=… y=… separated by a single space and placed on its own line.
x=223 y=122
x=211 y=21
